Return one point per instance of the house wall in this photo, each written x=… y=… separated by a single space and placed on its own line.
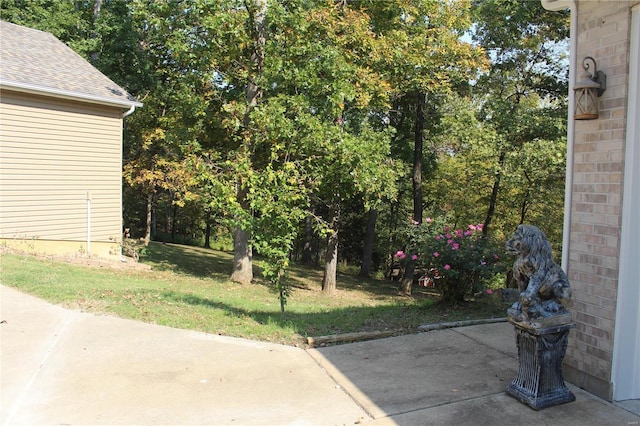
x=598 y=168
x=52 y=153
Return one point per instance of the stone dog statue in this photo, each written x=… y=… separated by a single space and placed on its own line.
x=544 y=287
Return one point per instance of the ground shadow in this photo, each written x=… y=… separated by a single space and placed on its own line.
x=207 y=263
x=189 y=260
x=336 y=320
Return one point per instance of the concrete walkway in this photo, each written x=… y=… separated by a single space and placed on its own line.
x=63 y=367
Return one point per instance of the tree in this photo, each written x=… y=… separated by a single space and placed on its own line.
x=424 y=60
x=325 y=96
x=527 y=79
x=174 y=81
x=316 y=117
x=242 y=252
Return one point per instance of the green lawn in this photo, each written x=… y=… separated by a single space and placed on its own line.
x=188 y=287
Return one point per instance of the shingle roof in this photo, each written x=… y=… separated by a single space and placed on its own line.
x=37 y=62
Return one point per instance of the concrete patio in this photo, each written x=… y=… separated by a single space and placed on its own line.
x=67 y=367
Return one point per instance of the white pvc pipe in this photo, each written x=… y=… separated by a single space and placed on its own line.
x=573 y=51
x=88 y=223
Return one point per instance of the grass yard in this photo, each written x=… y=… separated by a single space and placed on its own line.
x=188 y=287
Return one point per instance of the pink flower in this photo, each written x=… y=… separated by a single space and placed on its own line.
x=479 y=226
x=473 y=227
x=400 y=254
x=436 y=254
x=447 y=267
x=414 y=257
x=449 y=242
x=428 y=220
x=415 y=222
x=448 y=235
x=489 y=291
x=459 y=233
x=467 y=233
x=438 y=237
x=455 y=246
x=445 y=229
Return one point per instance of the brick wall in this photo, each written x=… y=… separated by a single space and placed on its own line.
x=603 y=33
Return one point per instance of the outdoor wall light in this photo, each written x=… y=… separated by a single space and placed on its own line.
x=589 y=87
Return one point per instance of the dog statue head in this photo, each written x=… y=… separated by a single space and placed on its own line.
x=530 y=243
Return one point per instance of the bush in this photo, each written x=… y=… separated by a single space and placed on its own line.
x=458 y=261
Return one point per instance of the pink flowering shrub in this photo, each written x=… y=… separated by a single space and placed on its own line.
x=459 y=261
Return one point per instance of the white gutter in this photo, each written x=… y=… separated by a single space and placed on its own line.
x=555 y=5
x=67 y=94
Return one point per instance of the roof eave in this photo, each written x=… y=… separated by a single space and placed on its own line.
x=65 y=94
x=555 y=5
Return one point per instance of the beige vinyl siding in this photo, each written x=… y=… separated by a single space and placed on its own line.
x=52 y=152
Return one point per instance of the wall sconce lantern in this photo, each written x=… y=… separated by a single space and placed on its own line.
x=589 y=87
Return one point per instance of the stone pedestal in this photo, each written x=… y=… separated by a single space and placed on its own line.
x=539 y=383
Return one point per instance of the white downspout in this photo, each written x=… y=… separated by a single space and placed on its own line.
x=125 y=114
x=129 y=112
x=555 y=5
x=573 y=51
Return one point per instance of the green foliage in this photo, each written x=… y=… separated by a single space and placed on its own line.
x=459 y=261
x=515 y=107
x=532 y=174
x=336 y=121
x=277 y=201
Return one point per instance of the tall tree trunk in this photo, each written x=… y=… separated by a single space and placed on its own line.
x=254 y=92
x=329 y=281
x=97 y=4
x=407 y=278
x=174 y=220
x=147 y=233
x=494 y=194
x=96 y=9
x=242 y=251
x=242 y=260
x=167 y=222
x=207 y=231
x=417 y=158
x=369 y=239
x=393 y=226
x=524 y=207
x=307 y=249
